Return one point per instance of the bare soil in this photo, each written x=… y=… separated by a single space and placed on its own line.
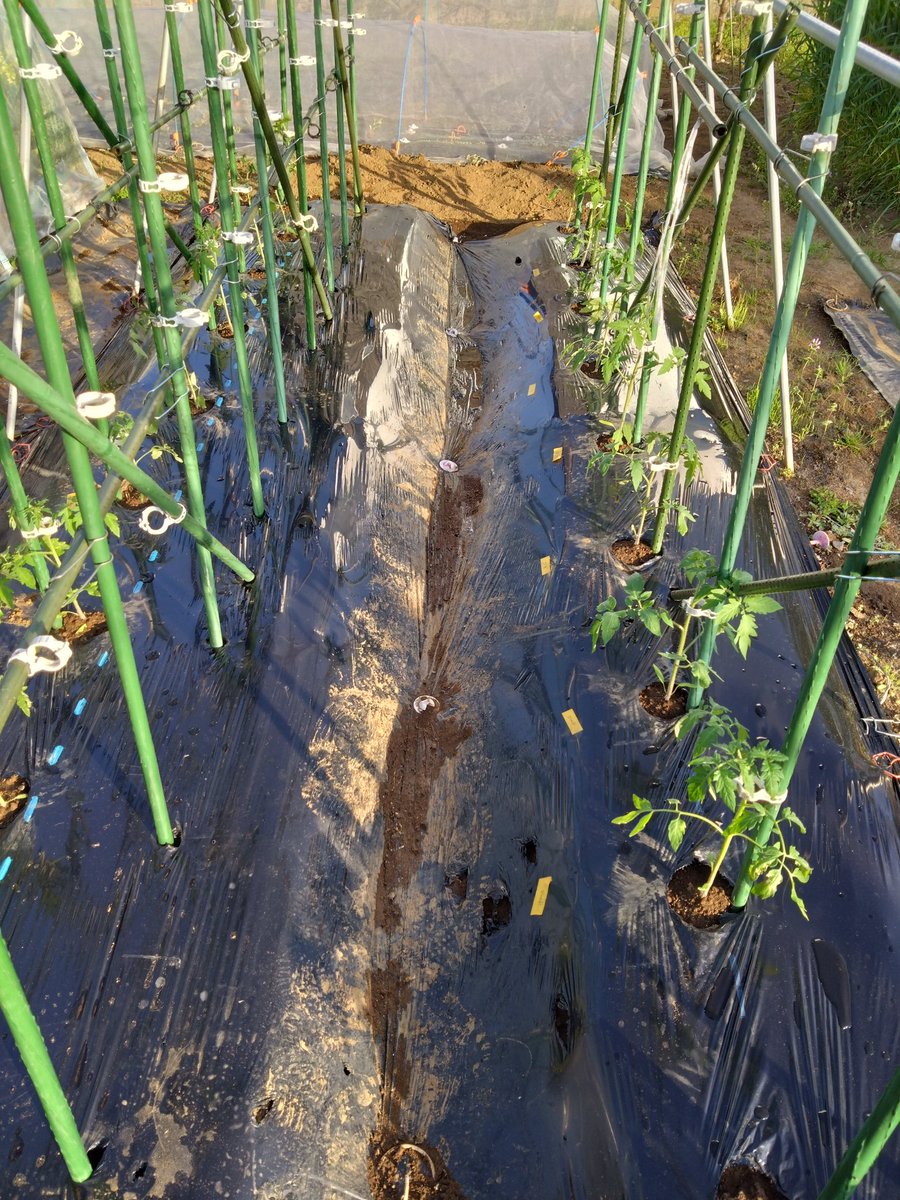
x=399 y=1167
x=703 y=912
x=631 y=554
x=77 y=630
x=130 y=497
x=653 y=700
x=13 y=797
x=741 y=1181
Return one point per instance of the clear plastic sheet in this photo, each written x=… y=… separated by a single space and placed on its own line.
x=77 y=179
x=341 y=955
x=509 y=83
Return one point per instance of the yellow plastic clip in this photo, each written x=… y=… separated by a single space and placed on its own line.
x=540 y=896
x=557 y=453
x=572 y=723
x=538 y=317
x=546 y=565
x=532 y=388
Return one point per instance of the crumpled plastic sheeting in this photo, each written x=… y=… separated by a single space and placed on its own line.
x=77 y=179
x=239 y=1016
x=443 y=89
x=874 y=341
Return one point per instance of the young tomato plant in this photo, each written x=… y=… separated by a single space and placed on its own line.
x=639 y=606
x=729 y=771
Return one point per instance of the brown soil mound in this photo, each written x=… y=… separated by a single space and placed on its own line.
x=130 y=497
x=13 y=795
x=77 y=630
x=396 y=1163
x=631 y=554
x=703 y=912
x=741 y=1181
x=653 y=700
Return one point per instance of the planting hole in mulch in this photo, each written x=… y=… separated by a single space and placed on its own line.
x=224 y=329
x=458 y=885
x=255 y=273
x=130 y=497
x=653 y=700
x=495 y=914
x=743 y=1181
x=13 y=795
x=703 y=912
x=631 y=554
x=76 y=630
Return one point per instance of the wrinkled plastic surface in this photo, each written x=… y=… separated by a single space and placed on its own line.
x=874 y=342
x=236 y=1018
x=505 y=82
x=78 y=181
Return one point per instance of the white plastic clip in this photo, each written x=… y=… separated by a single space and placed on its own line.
x=223 y=83
x=166 y=181
x=273 y=115
x=690 y=10
x=41 y=71
x=760 y=794
x=359 y=32
x=111 y=51
x=241 y=189
x=68 y=42
x=305 y=60
x=229 y=61
x=692 y=611
x=45 y=653
x=259 y=24
x=153 y=511
x=180 y=7
x=753 y=8
x=238 y=237
x=813 y=143
x=308 y=223
x=448 y=465
x=188 y=318
x=96 y=405
x=327 y=22
x=46 y=527
x=423 y=703
x=660 y=464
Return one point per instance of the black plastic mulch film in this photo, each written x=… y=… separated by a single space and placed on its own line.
x=341 y=957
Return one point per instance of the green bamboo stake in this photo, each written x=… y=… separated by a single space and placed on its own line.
x=229 y=181
x=684 y=110
x=33 y=1051
x=704 y=300
x=886 y=472
x=299 y=134
x=153 y=211
x=184 y=122
x=597 y=80
x=54 y=194
x=240 y=44
x=865 y=1148
x=232 y=261
x=342 y=154
x=350 y=63
x=90 y=105
x=804 y=581
x=624 y=107
x=349 y=102
x=265 y=216
x=327 y=229
x=635 y=240
x=18 y=209
x=19 y=500
x=134 y=197
x=612 y=110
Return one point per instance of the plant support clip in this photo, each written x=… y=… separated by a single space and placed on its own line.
x=166 y=181
x=305 y=60
x=153 y=511
x=46 y=527
x=816 y=143
x=68 y=42
x=45 y=653
x=307 y=223
x=96 y=405
x=187 y=318
x=41 y=71
x=238 y=237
